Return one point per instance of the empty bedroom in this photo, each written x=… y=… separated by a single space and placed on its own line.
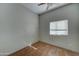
x=39 y=29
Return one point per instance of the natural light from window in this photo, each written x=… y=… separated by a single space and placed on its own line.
x=59 y=27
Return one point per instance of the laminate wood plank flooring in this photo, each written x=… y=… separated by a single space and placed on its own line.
x=44 y=49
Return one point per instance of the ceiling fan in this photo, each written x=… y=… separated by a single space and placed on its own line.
x=48 y=5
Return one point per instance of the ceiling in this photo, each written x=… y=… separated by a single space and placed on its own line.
x=41 y=9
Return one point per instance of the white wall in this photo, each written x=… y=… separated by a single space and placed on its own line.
x=17 y=24
x=70 y=12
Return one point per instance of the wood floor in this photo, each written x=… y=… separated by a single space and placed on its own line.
x=44 y=49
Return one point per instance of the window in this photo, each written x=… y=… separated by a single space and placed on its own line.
x=59 y=27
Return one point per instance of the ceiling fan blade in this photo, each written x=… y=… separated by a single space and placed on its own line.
x=41 y=4
x=49 y=5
